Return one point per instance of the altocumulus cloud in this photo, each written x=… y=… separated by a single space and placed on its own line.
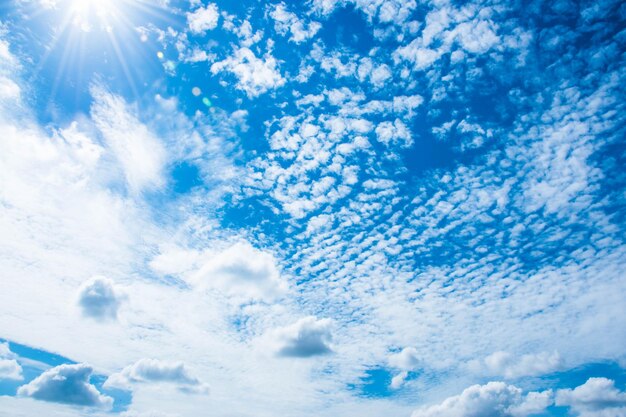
x=154 y=371
x=494 y=399
x=99 y=298
x=68 y=384
x=305 y=338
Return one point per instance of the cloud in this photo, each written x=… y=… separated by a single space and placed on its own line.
x=241 y=271
x=68 y=384
x=288 y=22
x=306 y=338
x=141 y=154
x=406 y=360
x=99 y=298
x=506 y=365
x=598 y=397
x=153 y=371
x=254 y=75
x=9 y=367
x=203 y=18
x=494 y=399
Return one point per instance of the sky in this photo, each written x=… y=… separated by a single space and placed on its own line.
x=349 y=208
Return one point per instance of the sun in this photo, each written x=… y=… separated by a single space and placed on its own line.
x=88 y=15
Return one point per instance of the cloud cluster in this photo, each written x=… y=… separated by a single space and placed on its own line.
x=255 y=75
x=494 y=399
x=507 y=365
x=153 y=371
x=203 y=18
x=9 y=367
x=67 y=384
x=598 y=397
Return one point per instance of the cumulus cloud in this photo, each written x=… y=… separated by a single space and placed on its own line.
x=254 y=75
x=242 y=271
x=305 y=338
x=153 y=371
x=68 y=384
x=509 y=366
x=598 y=397
x=494 y=399
x=99 y=298
x=203 y=18
x=406 y=360
x=9 y=367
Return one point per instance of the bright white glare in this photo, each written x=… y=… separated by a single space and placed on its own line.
x=84 y=14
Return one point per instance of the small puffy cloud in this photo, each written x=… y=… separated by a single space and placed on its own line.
x=98 y=298
x=254 y=75
x=288 y=22
x=68 y=384
x=406 y=360
x=153 y=371
x=398 y=380
x=9 y=368
x=494 y=399
x=598 y=397
x=506 y=365
x=396 y=133
x=203 y=19
x=241 y=271
x=305 y=338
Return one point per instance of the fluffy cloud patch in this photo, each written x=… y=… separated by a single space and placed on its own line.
x=203 y=19
x=68 y=384
x=598 y=397
x=305 y=338
x=288 y=22
x=9 y=368
x=406 y=360
x=254 y=75
x=494 y=399
x=98 y=298
x=509 y=366
x=241 y=271
x=153 y=371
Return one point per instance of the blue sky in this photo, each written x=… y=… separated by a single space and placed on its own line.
x=329 y=207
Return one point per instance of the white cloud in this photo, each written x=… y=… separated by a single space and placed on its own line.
x=67 y=384
x=509 y=366
x=99 y=298
x=140 y=153
x=288 y=22
x=9 y=367
x=305 y=338
x=153 y=371
x=398 y=380
x=394 y=133
x=494 y=399
x=240 y=271
x=598 y=397
x=406 y=360
x=254 y=75
x=203 y=18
